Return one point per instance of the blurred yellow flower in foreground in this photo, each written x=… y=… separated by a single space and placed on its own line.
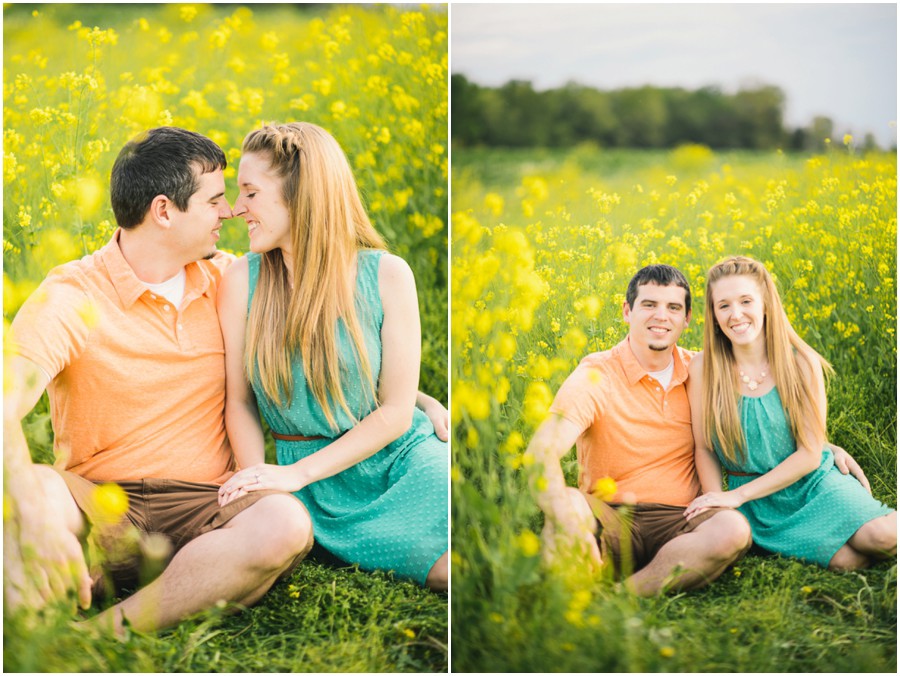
x=529 y=543
x=604 y=489
x=109 y=502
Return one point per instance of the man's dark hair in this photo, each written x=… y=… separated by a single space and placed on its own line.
x=161 y=161
x=661 y=275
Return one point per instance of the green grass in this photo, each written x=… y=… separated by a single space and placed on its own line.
x=342 y=620
x=325 y=617
x=767 y=614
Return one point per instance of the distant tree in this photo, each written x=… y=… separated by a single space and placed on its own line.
x=467 y=121
x=869 y=142
x=759 y=114
x=820 y=129
x=642 y=116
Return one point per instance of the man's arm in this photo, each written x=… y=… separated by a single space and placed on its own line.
x=552 y=440
x=847 y=465
x=42 y=557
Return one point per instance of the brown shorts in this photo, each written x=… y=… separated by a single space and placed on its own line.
x=651 y=526
x=162 y=516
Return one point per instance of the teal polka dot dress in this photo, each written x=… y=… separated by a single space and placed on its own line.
x=389 y=511
x=815 y=516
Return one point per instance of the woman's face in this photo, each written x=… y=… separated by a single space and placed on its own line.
x=738 y=304
x=261 y=204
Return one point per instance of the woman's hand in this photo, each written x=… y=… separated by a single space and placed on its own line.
x=437 y=413
x=713 y=499
x=260 y=477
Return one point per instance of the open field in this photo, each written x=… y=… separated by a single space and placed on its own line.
x=543 y=245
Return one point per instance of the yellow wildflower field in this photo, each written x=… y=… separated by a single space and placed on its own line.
x=81 y=80
x=543 y=244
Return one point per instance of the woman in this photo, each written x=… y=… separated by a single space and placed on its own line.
x=758 y=391
x=323 y=323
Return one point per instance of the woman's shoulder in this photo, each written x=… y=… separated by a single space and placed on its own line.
x=393 y=271
x=695 y=366
x=233 y=287
x=238 y=270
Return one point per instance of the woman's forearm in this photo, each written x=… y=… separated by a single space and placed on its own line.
x=385 y=424
x=796 y=466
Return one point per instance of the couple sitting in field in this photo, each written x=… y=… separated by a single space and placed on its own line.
x=664 y=422
x=319 y=325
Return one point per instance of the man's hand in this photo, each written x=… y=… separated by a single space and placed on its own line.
x=42 y=560
x=570 y=529
x=42 y=556
x=847 y=465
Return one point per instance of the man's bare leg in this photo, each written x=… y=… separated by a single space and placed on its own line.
x=694 y=559
x=235 y=563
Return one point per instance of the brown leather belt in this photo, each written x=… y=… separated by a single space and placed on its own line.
x=728 y=471
x=295 y=437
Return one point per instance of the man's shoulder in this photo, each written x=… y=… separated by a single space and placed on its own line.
x=599 y=360
x=78 y=273
x=597 y=368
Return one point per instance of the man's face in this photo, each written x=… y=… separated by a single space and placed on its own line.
x=196 y=230
x=657 y=318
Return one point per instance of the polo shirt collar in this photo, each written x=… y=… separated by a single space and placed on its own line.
x=634 y=371
x=123 y=279
x=130 y=288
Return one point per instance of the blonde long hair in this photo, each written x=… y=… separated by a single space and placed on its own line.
x=721 y=388
x=329 y=225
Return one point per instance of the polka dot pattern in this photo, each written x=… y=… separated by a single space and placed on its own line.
x=815 y=516
x=388 y=512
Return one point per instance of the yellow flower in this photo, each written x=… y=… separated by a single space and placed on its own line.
x=604 y=489
x=109 y=502
x=528 y=543
x=667 y=651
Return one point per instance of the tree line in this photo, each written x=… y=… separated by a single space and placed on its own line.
x=516 y=115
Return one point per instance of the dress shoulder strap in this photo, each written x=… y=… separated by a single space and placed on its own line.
x=253 y=260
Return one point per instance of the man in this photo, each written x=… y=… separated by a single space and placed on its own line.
x=627 y=412
x=128 y=345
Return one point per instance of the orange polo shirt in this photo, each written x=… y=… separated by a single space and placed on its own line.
x=138 y=386
x=633 y=430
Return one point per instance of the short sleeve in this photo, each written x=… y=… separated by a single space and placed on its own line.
x=54 y=324
x=580 y=398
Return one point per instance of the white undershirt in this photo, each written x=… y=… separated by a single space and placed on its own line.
x=664 y=377
x=171 y=289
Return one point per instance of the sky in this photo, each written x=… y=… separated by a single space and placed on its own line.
x=838 y=60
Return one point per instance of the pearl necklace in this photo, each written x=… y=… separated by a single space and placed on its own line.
x=752 y=383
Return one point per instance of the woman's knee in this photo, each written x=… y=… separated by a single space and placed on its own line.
x=848 y=558
x=878 y=536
